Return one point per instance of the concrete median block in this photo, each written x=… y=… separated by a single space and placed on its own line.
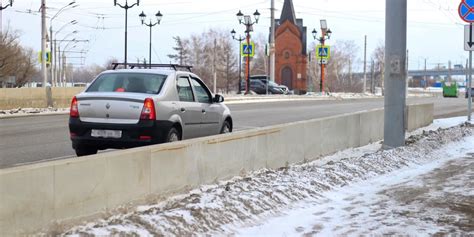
x=174 y=166
x=371 y=126
x=333 y=132
x=80 y=187
x=353 y=130
x=26 y=199
x=293 y=143
x=312 y=140
x=235 y=153
x=127 y=178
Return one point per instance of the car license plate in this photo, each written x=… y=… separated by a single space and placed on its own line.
x=106 y=133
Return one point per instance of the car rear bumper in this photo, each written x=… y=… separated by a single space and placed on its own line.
x=133 y=135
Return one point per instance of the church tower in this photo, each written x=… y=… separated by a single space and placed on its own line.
x=290 y=50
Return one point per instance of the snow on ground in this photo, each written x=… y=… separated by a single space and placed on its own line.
x=32 y=111
x=421 y=189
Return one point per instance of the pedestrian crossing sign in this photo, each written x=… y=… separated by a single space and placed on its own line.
x=247 y=50
x=46 y=56
x=323 y=52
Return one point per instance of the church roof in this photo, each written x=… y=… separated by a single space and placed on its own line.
x=288 y=12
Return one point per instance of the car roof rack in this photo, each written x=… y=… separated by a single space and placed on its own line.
x=175 y=67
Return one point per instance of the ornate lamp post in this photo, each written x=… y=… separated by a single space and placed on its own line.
x=247 y=21
x=240 y=40
x=158 y=16
x=126 y=7
x=325 y=35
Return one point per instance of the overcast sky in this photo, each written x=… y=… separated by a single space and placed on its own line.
x=435 y=31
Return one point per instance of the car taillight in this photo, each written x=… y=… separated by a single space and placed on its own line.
x=74 y=111
x=148 y=111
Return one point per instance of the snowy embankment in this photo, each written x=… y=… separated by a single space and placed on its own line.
x=356 y=191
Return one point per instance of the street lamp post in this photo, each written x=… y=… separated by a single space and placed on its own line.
x=247 y=21
x=126 y=7
x=10 y=4
x=240 y=39
x=158 y=16
x=325 y=35
x=54 y=51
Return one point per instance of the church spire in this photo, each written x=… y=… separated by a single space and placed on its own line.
x=288 y=12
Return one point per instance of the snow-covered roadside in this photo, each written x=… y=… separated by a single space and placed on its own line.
x=32 y=111
x=258 y=198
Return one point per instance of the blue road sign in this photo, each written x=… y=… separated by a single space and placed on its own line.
x=248 y=50
x=466 y=10
x=323 y=52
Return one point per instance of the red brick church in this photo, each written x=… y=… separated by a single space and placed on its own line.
x=290 y=50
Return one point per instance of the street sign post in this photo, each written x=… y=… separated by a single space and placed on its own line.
x=323 y=61
x=248 y=50
x=469 y=37
x=466 y=12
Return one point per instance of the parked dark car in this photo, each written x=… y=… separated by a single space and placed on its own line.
x=258 y=84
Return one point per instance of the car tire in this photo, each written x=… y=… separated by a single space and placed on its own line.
x=173 y=135
x=226 y=127
x=85 y=151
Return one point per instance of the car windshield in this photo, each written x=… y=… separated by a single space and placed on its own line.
x=128 y=82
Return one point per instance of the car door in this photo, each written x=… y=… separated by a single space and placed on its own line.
x=188 y=109
x=210 y=124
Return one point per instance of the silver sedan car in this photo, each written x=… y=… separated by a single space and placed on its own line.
x=138 y=107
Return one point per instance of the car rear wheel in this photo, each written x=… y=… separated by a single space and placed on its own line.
x=226 y=128
x=173 y=135
x=85 y=151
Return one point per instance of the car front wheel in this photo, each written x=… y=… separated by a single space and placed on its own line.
x=226 y=128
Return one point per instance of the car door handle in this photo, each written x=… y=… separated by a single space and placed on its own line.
x=183 y=110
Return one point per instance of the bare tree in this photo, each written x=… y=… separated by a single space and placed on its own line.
x=259 y=63
x=378 y=57
x=15 y=61
x=210 y=52
x=339 y=70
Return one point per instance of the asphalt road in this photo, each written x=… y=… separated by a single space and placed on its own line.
x=34 y=139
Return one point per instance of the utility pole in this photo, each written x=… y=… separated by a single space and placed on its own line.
x=214 y=86
x=272 y=42
x=240 y=40
x=44 y=73
x=365 y=66
x=372 y=73
x=395 y=73
x=426 y=80
x=469 y=87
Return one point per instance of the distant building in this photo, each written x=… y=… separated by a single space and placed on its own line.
x=290 y=50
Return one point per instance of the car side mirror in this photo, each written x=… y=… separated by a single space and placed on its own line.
x=218 y=98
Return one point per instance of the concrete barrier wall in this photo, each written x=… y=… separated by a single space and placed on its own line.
x=38 y=196
x=12 y=98
x=420 y=115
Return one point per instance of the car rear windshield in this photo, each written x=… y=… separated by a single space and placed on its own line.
x=128 y=82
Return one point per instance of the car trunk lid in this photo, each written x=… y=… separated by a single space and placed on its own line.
x=113 y=108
